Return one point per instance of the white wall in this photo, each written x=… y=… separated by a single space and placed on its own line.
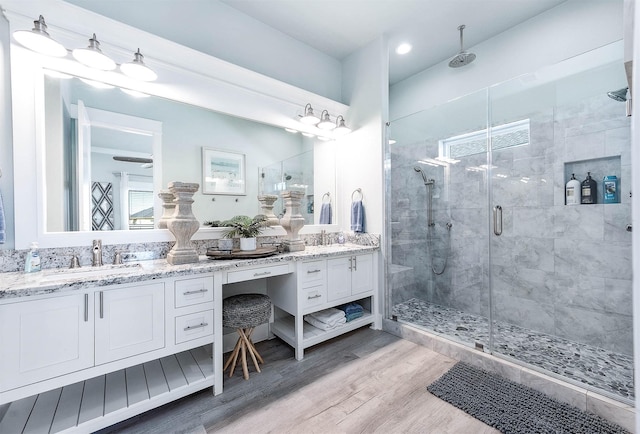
x=570 y=29
x=6 y=135
x=231 y=36
x=360 y=155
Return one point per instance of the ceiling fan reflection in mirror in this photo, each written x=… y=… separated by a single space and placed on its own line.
x=146 y=163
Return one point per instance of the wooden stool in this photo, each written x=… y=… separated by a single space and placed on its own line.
x=244 y=312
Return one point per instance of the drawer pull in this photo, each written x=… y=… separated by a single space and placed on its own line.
x=101 y=305
x=86 y=308
x=195 y=292
x=202 y=324
x=313 y=271
x=264 y=273
x=311 y=297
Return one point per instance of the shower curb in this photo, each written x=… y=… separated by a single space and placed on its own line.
x=618 y=412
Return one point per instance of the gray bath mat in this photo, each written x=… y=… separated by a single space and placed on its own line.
x=513 y=408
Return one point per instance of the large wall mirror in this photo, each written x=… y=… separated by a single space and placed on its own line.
x=109 y=152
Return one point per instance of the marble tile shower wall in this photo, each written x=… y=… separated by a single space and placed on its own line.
x=557 y=269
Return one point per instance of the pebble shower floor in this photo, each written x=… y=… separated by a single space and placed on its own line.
x=602 y=369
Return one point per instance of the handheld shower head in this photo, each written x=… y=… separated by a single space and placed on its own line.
x=618 y=95
x=424 y=176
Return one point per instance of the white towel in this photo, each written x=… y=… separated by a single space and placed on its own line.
x=322 y=325
x=328 y=316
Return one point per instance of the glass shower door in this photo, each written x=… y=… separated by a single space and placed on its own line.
x=560 y=274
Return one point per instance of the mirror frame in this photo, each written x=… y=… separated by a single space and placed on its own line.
x=222 y=87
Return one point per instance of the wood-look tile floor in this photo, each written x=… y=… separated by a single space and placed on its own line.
x=366 y=381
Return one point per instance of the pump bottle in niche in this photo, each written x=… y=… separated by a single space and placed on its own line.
x=589 y=190
x=573 y=191
x=610 y=189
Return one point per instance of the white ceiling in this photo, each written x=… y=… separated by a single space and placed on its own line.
x=340 y=27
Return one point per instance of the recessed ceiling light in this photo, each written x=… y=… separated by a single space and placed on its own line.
x=403 y=48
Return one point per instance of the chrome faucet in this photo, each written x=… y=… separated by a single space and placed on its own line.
x=97 y=253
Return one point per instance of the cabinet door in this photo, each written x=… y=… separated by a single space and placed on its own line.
x=129 y=321
x=362 y=274
x=338 y=278
x=45 y=338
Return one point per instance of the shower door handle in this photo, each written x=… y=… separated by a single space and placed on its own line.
x=497 y=220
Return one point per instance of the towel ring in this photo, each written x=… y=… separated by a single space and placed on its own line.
x=328 y=196
x=357 y=190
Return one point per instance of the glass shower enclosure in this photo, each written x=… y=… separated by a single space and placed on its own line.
x=485 y=250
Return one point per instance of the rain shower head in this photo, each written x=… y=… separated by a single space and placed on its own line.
x=463 y=58
x=619 y=95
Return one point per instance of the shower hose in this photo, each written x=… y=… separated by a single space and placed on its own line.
x=430 y=229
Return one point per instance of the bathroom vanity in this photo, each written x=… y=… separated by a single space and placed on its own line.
x=86 y=348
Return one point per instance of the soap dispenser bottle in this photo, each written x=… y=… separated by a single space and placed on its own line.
x=573 y=191
x=589 y=190
x=32 y=261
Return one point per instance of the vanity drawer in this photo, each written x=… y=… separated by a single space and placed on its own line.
x=193 y=291
x=194 y=326
x=313 y=272
x=313 y=296
x=257 y=273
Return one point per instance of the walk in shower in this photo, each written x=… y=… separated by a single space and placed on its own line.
x=483 y=249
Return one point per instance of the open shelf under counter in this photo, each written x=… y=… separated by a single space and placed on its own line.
x=101 y=401
x=284 y=328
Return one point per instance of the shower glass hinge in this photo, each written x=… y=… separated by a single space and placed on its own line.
x=394 y=318
x=479 y=346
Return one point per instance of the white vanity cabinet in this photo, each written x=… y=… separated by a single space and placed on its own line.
x=45 y=338
x=129 y=321
x=320 y=284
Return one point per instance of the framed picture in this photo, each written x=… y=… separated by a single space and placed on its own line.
x=223 y=172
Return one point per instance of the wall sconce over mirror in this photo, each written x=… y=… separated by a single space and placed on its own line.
x=323 y=122
x=39 y=41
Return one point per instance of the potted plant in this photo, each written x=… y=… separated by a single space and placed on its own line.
x=246 y=228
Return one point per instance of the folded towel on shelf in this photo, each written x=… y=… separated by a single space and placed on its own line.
x=3 y=234
x=357 y=216
x=323 y=325
x=352 y=311
x=325 y=214
x=328 y=316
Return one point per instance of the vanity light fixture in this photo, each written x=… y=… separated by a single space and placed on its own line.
x=38 y=40
x=341 y=128
x=309 y=118
x=93 y=57
x=325 y=122
x=137 y=69
x=308 y=134
x=291 y=130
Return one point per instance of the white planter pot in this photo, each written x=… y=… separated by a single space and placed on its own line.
x=247 y=243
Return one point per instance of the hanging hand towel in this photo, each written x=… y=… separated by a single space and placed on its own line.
x=325 y=214
x=357 y=216
x=3 y=235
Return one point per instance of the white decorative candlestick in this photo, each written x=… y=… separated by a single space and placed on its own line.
x=168 y=207
x=266 y=204
x=182 y=224
x=292 y=221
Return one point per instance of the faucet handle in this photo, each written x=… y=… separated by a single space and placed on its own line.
x=117 y=259
x=75 y=262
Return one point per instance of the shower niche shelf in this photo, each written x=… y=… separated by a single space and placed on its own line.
x=599 y=168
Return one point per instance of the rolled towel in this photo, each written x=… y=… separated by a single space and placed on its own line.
x=325 y=214
x=357 y=216
x=351 y=308
x=322 y=325
x=330 y=316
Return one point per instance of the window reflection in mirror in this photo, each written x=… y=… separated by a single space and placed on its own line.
x=161 y=141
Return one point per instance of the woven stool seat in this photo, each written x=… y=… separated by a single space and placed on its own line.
x=244 y=312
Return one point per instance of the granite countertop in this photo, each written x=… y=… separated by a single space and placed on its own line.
x=20 y=284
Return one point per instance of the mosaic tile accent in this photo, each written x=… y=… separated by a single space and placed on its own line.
x=609 y=372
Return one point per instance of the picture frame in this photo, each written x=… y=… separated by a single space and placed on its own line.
x=223 y=172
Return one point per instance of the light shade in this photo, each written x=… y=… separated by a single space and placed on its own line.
x=38 y=40
x=308 y=117
x=341 y=128
x=325 y=122
x=137 y=69
x=93 y=57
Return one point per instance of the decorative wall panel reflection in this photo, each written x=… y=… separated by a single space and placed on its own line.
x=102 y=216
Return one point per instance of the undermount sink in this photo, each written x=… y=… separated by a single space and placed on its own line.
x=74 y=273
